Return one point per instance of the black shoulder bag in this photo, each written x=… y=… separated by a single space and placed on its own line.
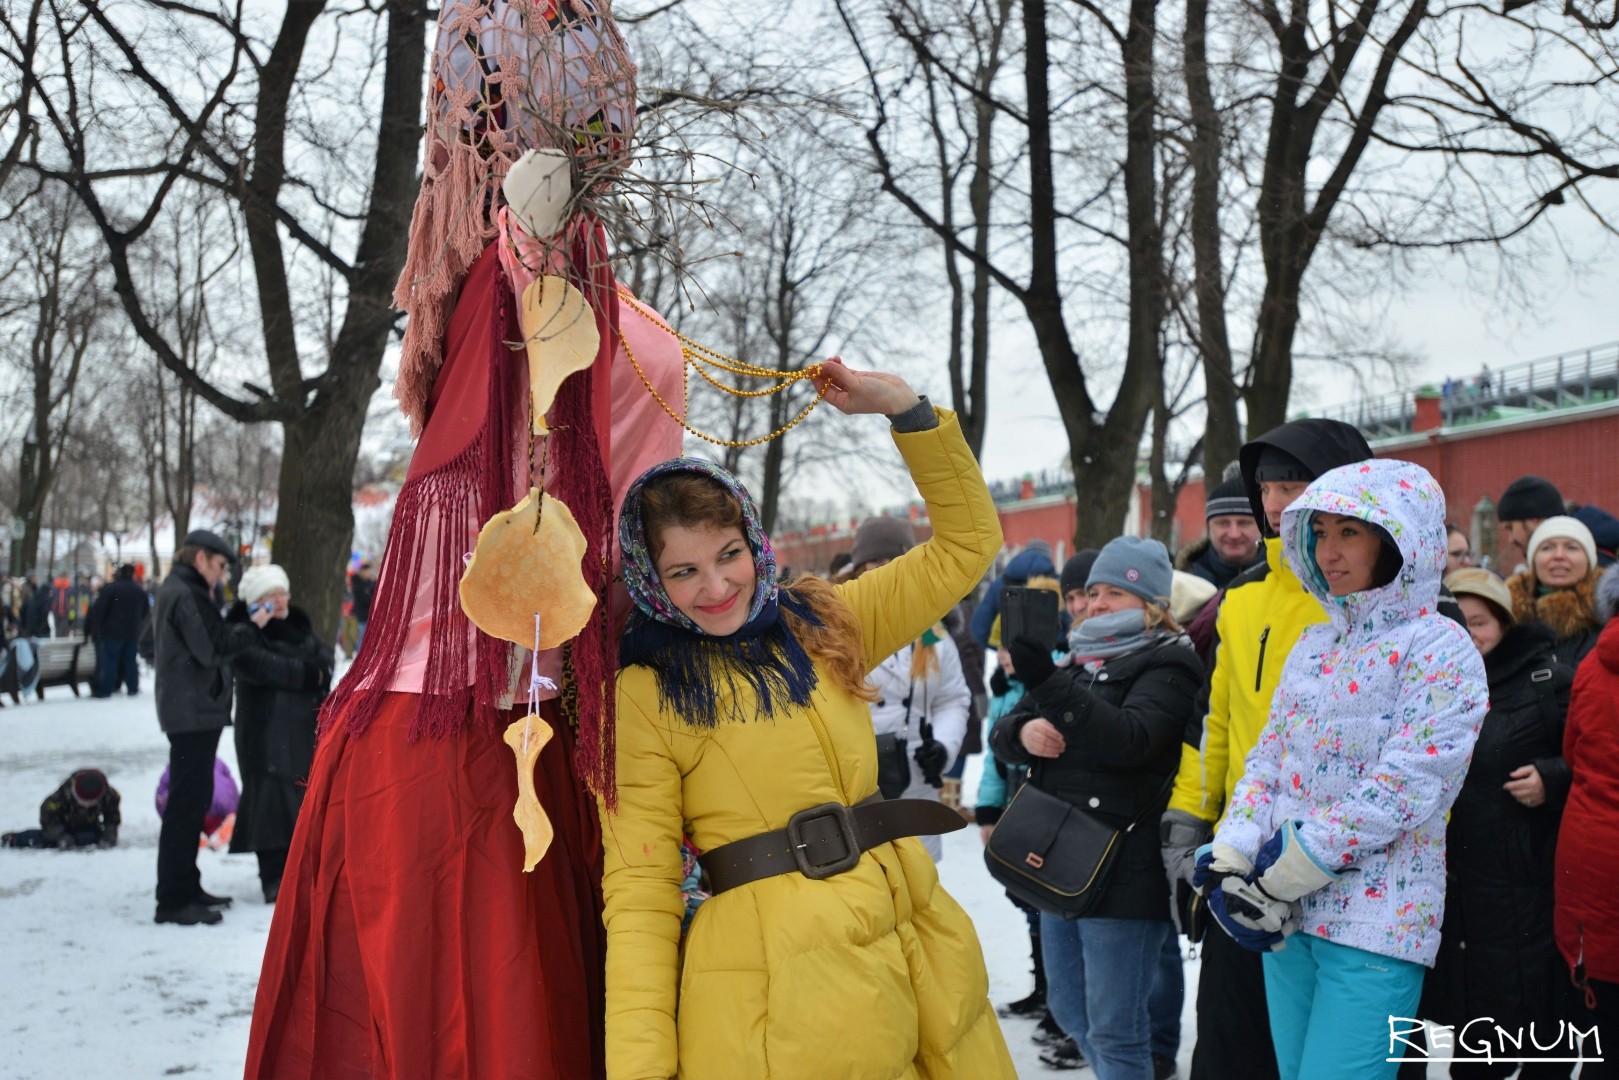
x=1053 y=855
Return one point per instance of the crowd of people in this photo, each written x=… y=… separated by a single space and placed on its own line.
x=1357 y=748
x=255 y=662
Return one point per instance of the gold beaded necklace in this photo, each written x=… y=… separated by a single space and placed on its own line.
x=699 y=358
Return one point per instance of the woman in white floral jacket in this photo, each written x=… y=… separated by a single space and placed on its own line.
x=1337 y=828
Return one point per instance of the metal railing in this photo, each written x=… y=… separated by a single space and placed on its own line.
x=1568 y=379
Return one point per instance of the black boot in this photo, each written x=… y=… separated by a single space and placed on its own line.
x=192 y=914
x=1063 y=1054
x=209 y=900
x=1047 y=1033
x=1035 y=1004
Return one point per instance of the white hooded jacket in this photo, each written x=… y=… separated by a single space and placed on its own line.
x=1373 y=725
x=942 y=698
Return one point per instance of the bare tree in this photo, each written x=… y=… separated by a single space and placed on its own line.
x=54 y=290
x=1102 y=444
x=223 y=117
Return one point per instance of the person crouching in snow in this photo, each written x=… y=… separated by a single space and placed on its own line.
x=83 y=812
x=1337 y=827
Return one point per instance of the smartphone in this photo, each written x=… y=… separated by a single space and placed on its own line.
x=1031 y=614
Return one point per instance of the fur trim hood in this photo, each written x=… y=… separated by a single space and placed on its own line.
x=1567 y=611
x=1186 y=556
x=1608 y=595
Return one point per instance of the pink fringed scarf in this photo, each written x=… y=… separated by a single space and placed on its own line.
x=508 y=76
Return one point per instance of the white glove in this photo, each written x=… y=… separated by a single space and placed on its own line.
x=538 y=187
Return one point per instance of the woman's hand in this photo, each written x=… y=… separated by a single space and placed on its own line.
x=984 y=833
x=855 y=392
x=1526 y=786
x=1042 y=739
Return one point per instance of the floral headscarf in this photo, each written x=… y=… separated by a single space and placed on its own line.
x=641 y=577
x=701 y=677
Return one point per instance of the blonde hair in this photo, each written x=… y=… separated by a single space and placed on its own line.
x=835 y=643
x=1160 y=618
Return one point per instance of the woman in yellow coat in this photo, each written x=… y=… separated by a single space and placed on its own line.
x=829 y=948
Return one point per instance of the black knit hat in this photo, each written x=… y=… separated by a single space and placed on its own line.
x=1230 y=497
x=1077 y=570
x=89 y=785
x=1529 y=498
x=1276 y=465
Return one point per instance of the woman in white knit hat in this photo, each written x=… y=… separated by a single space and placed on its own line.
x=280 y=682
x=1558 y=586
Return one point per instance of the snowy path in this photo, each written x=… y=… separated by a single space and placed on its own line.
x=93 y=987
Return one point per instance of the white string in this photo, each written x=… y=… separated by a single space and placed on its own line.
x=536 y=683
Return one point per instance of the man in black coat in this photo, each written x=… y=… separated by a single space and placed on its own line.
x=116 y=620
x=191 y=647
x=36 y=614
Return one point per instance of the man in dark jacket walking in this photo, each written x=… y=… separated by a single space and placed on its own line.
x=116 y=620
x=191 y=645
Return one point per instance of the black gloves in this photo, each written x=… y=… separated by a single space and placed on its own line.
x=999 y=684
x=108 y=837
x=1031 y=661
x=931 y=757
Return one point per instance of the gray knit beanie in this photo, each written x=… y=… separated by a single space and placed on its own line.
x=1228 y=498
x=1136 y=565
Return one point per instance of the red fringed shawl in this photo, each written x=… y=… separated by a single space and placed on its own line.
x=461 y=475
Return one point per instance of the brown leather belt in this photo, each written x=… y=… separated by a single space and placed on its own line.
x=826 y=840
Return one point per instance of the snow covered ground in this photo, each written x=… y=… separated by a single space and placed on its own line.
x=92 y=986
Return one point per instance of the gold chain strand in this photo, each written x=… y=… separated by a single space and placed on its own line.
x=736 y=444
x=735 y=392
x=699 y=352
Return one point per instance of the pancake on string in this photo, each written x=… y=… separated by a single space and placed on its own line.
x=560 y=335
x=524 y=584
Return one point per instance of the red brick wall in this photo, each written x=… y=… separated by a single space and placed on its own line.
x=1578 y=450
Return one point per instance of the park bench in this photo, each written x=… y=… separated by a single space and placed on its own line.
x=65 y=661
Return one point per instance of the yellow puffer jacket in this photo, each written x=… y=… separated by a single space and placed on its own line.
x=875 y=972
x=1261 y=616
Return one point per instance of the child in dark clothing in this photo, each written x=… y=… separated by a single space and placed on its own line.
x=83 y=812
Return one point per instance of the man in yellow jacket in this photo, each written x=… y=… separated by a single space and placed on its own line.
x=1261 y=615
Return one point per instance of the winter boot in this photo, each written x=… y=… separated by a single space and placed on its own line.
x=192 y=914
x=209 y=900
x=1047 y=1033
x=1062 y=1054
x=1035 y=1004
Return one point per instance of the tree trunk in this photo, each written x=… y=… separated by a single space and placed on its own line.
x=1103 y=454
x=1223 y=431
x=315 y=518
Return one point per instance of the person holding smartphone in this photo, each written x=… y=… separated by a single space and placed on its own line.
x=281 y=679
x=1104 y=733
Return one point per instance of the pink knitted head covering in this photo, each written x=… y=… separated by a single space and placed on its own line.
x=508 y=76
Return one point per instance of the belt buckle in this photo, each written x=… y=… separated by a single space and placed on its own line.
x=795 y=838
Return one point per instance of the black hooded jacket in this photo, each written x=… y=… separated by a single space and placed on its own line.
x=1496 y=957
x=1320 y=445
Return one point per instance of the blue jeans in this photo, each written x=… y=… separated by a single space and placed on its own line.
x=115 y=663
x=1330 y=1006
x=1164 y=1002
x=1099 y=978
